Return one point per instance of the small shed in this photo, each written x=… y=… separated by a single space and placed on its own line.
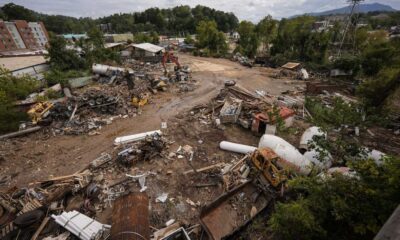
x=146 y=50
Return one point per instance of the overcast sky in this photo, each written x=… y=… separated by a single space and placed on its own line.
x=252 y=10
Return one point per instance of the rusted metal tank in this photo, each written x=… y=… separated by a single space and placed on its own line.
x=130 y=218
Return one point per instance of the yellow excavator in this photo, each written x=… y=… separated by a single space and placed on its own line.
x=264 y=160
x=39 y=111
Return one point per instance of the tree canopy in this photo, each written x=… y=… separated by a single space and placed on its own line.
x=179 y=20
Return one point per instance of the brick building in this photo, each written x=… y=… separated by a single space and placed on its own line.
x=26 y=34
x=6 y=39
x=12 y=29
x=20 y=34
x=39 y=33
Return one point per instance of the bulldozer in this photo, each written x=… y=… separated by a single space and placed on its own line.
x=39 y=111
x=264 y=160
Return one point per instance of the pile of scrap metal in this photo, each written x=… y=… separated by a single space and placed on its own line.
x=25 y=213
x=82 y=114
x=150 y=146
x=250 y=111
x=243 y=60
x=68 y=205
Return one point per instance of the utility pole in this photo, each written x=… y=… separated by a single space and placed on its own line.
x=353 y=5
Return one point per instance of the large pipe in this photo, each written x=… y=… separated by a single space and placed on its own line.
x=130 y=218
x=134 y=138
x=102 y=69
x=315 y=157
x=236 y=147
x=308 y=135
x=20 y=133
x=290 y=157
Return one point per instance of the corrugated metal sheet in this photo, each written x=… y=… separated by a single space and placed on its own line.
x=291 y=65
x=148 y=47
x=130 y=218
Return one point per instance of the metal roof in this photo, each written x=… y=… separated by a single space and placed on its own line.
x=148 y=47
x=291 y=65
x=111 y=45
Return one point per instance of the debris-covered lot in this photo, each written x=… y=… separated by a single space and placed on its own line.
x=157 y=158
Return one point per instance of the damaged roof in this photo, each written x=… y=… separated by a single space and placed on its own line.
x=148 y=47
x=291 y=65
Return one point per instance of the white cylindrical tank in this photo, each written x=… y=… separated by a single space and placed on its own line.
x=308 y=135
x=236 y=147
x=102 y=69
x=290 y=157
x=314 y=156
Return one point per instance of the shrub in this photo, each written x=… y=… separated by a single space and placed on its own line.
x=11 y=89
x=376 y=57
x=10 y=118
x=340 y=207
x=294 y=220
x=16 y=88
x=348 y=63
x=375 y=90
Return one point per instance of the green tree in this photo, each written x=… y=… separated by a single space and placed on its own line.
x=210 y=38
x=375 y=90
x=94 y=49
x=267 y=30
x=296 y=40
x=142 y=38
x=155 y=38
x=248 y=41
x=16 y=12
x=189 y=39
x=11 y=89
x=95 y=38
x=377 y=56
x=340 y=207
x=62 y=58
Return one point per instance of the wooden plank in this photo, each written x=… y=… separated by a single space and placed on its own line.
x=205 y=168
x=40 y=229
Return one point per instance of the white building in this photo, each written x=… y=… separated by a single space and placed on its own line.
x=38 y=33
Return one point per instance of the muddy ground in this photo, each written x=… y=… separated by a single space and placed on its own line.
x=42 y=155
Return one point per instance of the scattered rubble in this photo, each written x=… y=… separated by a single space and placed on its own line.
x=158 y=184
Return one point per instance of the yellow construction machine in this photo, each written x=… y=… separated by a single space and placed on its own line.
x=265 y=160
x=39 y=111
x=139 y=100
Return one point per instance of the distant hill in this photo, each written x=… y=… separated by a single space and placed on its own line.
x=362 y=8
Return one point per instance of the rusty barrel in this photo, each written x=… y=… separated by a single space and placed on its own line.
x=130 y=217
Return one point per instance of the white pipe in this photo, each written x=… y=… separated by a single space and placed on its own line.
x=290 y=157
x=308 y=135
x=236 y=147
x=134 y=138
x=102 y=69
x=314 y=156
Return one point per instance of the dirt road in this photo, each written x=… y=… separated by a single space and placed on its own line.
x=41 y=155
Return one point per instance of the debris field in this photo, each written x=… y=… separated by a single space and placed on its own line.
x=137 y=151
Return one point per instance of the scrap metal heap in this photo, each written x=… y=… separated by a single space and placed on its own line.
x=111 y=198
x=112 y=92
